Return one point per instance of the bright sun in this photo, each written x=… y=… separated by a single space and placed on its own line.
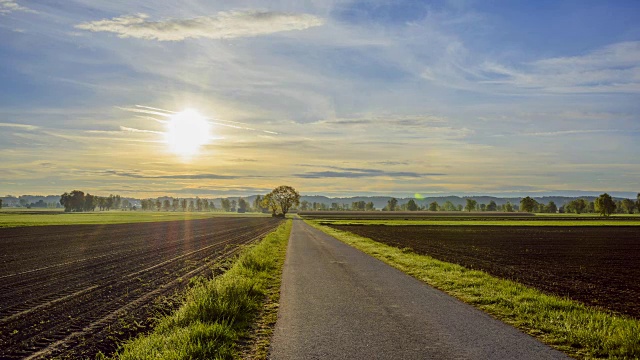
x=186 y=132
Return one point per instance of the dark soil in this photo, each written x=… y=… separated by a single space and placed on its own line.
x=598 y=266
x=73 y=291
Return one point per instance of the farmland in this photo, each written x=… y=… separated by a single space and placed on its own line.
x=598 y=266
x=72 y=291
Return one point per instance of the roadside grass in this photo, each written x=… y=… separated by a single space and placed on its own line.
x=580 y=331
x=12 y=218
x=543 y=221
x=220 y=313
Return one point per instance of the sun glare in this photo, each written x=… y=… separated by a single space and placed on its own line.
x=186 y=132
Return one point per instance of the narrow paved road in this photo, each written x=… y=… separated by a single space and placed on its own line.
x=339 y=303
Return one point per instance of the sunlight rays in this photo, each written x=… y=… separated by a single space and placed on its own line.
x=187 y=131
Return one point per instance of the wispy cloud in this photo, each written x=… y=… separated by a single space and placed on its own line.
x=141 y=175
x=19 y=126
x=9 y=6
x=397 y=120
x=613 y=68
x=128 y=129
x=574 y=132
x=224 y=25
x=347 y=172
x=168 y=113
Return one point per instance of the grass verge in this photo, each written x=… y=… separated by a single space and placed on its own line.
x=219 y=313
x=567 y=325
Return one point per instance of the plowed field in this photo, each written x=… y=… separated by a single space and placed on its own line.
x=71 y=291
x=598 y=266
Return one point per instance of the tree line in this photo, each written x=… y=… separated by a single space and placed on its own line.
x=604 y=205
x=278 y=202
x=78 y=201
x=284 y=198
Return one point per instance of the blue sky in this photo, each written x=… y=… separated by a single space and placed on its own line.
x=332 y=97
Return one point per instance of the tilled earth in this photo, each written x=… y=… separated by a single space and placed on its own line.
x=74 y=291
x=598 y=266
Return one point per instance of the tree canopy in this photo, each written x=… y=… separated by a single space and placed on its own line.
x=577 y=206
x=528 y=204
x=471 y=205
x=628 y=206
x=392 y=203
x=280 y=200
x=605 y=204
x=286 y=197
x=411 y=205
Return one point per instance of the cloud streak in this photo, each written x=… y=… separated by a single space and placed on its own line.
x=613 y=68
x=9 y=6
x=575 y=132
x=19 y=126
x=224 y=25
x=354 y=173
x=139 y=175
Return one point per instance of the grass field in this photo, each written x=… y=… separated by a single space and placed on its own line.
x=23 y=217
x=580 y=331
x=219 y=314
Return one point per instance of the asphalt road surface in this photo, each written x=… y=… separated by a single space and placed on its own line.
x=339 y=303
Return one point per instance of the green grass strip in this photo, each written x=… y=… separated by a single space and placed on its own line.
x=578 y=330
x=217 y=313
x=9 y=219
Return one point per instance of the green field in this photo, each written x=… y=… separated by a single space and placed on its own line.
x=24 y=217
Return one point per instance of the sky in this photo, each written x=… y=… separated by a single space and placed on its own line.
x=333 y=97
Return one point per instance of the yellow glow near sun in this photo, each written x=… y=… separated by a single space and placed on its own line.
x=186 y=132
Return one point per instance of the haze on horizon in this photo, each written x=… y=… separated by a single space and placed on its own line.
x=337 y=98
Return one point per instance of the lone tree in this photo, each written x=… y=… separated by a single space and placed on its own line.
x=605 y=204
x=284 y=197
x=471 y=205
x=434 y=206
